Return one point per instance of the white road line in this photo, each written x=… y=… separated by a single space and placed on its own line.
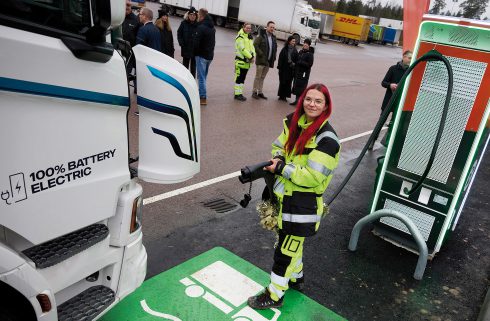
x=190 y=188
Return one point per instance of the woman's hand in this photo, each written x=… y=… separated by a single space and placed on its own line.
x=271 y=168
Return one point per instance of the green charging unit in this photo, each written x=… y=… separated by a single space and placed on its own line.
x=436 y=206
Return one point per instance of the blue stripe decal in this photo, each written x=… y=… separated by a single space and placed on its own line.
x=173 y=142
x=167 y=109
x=173 y=82
x=35 y=88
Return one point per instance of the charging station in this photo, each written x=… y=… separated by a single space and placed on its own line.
x=431 y=193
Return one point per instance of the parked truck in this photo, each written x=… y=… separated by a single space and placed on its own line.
x=292 y=17
x=375 y=33
x=326 y=22
x=138 y=3
x=350 y=29
x=391 y=36
x=71 y=208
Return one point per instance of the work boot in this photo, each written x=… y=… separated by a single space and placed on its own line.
x=255 y=95
x=261 y=95
x=240 y=97
x=298 y=285
x=263 y=301
x=203 y=101
x=282 y=99
x=294 y=103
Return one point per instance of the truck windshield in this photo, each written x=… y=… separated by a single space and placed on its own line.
x=315 y=24
x=70 y=15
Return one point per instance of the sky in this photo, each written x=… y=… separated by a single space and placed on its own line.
x=451 y=5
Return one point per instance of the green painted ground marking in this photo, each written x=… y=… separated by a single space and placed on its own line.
x=213 y=286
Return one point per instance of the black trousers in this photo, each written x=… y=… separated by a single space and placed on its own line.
x=240 y=75
x=192 y=61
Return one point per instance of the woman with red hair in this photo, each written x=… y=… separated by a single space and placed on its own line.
x=304 y=157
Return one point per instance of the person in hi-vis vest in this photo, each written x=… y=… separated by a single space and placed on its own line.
x=304 y=157
x=244 y=57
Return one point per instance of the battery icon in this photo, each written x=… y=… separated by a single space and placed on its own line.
x=18 y=187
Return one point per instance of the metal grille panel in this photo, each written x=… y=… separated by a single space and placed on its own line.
x=427 y=113
x=463 y=36
x=423 y=221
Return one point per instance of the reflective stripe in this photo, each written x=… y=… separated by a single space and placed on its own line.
x=273 y=290
x=279 y=280
x=279 y=187
x=288 y=170
x=300 y=218
x=319 y=167
x=278 y=143
x=297 y=275
x=327 y=134
x=278 y=153
x=299 y=262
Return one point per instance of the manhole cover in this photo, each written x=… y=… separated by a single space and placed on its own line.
x=219 y=205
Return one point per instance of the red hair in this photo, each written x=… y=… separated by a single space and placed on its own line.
x=297 y=140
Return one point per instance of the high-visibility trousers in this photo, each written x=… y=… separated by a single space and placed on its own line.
x=240 y=74
x=288 y=264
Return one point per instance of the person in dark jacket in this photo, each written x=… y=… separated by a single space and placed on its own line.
x=302 y=70
x=130 y=27
x=148 y=35
x=166 y=37
x=285 y=64
x=204 y=42
x=391 y=80
x=185 y=33
x=265 y=50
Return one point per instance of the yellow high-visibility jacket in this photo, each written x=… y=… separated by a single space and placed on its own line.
x=303 y=180
x=244 y=50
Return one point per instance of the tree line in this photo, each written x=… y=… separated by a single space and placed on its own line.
x=372 y=8
x=473 y=9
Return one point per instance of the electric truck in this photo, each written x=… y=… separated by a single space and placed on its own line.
x=71 y=206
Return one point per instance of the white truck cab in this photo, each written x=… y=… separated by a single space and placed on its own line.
x=70 y=209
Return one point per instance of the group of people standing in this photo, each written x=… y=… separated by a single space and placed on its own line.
x=196 y=37
x=294 y=66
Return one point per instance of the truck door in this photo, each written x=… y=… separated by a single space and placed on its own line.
x=63 y=102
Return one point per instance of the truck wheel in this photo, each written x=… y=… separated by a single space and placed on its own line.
x=171 y=11
x=356 y=43
x=220 y=21
x=297 y=38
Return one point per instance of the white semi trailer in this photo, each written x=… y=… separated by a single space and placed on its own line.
x=292 y=17
x=71 y=208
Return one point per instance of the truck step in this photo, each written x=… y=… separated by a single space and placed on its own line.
x=55 y=251
x=86 y=305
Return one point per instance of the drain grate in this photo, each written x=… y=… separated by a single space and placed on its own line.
x=219 y=205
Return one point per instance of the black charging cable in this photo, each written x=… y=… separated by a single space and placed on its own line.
x=432 y=55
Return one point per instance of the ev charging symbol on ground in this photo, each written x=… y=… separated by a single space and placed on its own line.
x=17 y=191
x=213 y=286
x=220 y=279
x=231 y=285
